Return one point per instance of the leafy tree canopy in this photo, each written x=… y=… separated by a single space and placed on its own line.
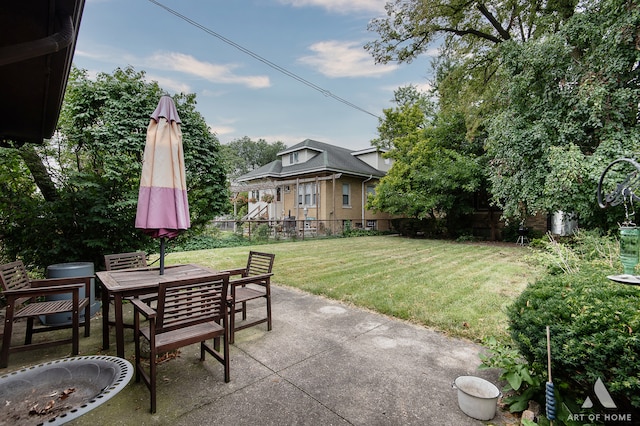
x=436 y=171
x=551 y=87
x=243 y=155
x=569 y=106
x=74 y=199
x=411 y=27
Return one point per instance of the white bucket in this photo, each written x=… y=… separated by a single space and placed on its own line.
x=477 y=397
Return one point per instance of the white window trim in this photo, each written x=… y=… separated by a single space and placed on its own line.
x=348 y=194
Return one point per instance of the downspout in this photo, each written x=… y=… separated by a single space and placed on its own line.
x=333 y=196
x=363 y=198
x=235 y=211
x=297 y=202
x=317 y=191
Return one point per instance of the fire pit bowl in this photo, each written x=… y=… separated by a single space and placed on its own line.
x=56 y=392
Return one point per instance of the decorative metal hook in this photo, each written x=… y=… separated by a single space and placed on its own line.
x=624 y=192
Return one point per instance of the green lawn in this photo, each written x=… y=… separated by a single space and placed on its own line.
x=458 y=288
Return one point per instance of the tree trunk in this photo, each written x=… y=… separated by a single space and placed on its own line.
x=39 y=172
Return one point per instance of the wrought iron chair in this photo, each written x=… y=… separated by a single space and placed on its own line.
x=188 y=311
x=23 y=300
x=254 y=283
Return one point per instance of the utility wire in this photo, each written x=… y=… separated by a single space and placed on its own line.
x=262 y=59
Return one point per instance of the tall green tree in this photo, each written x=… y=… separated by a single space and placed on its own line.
x=569 y=106
x=551 y=86
x=243 y=155
x=436 y=171
x=75 y=197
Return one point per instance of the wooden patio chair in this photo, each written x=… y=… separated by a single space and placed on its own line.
x=254 y=283
x=119 y=261
x=24 y=299
x=188 y=311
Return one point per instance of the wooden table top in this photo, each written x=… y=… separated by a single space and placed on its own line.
x=141 y=278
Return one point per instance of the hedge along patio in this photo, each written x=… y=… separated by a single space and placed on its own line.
x=461 y=289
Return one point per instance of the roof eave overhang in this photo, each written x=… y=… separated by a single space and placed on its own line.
x=37 y=43
x=306 y=172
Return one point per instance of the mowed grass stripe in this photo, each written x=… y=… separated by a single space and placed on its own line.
x=458 y=288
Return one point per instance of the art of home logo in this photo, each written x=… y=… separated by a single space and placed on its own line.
x=604 y=399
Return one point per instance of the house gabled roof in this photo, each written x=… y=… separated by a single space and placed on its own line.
x=328 y=159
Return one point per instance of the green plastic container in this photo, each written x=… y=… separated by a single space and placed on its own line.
x=629 y=248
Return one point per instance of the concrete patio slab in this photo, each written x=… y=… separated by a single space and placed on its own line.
x=324 y=363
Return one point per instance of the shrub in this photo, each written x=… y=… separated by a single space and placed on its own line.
x=412 y=227
x=205 y=242
x=262 y=232
x=594 y=324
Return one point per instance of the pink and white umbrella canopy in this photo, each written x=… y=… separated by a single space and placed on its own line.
x=163 y=207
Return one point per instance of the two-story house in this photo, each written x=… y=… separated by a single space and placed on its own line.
x=322 y=184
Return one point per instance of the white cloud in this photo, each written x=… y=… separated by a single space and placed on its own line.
x=424 y=87
x=212 y=93
x=341 y=6
x=215 y=73
x=224 y=128
x=221 y=130
x=169 y=84
x=176 y=61
x=344 y=59
x=90 y=55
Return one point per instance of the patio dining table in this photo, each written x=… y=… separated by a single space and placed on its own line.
x=133 y=283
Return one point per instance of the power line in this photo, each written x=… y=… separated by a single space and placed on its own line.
x=265 y=61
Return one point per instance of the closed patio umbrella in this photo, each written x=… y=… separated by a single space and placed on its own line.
x=163 y=207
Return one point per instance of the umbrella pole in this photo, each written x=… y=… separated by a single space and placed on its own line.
x=162 y=256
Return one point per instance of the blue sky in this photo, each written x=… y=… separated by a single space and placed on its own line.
x=320 y=41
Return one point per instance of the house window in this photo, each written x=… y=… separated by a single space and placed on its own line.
x=346 y=191
x=293 y=158
x=307 y=194
x=371 y=225
x=278 y=194
x=371 y=190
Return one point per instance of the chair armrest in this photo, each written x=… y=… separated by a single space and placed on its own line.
x=146 y=298
x=42 y=291
x=146 y=310
x=237 y=271
x=56 y=282
x=255 y=279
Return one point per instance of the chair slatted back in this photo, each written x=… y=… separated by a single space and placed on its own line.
x=13 y=276
x=114 y=262
x=259 y=263
x=191 y=301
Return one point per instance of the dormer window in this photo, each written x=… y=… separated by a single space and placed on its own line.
x=293 y=158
